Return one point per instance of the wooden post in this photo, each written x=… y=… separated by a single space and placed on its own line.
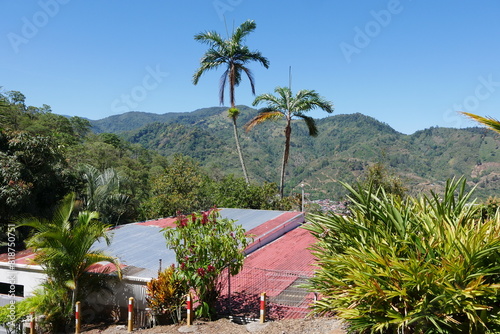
x=262 y=307
x=77 y=317
x=130 y=314
x=32 y=323
x=189 y=310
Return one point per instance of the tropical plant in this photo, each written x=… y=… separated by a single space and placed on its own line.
x=286 y=106
x=14 y=314
x=232 y=192
x=166 y=294
x=413 y=265
x=233 y=55
x=379 y=176
x=205 y=245
x=104 y=192
x=490 y=122
x=64 y=249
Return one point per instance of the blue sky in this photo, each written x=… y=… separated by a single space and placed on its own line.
x=410 y=64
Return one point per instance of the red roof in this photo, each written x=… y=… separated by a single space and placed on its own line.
x=162 y=222
x=288 y=254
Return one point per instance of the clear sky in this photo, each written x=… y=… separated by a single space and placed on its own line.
x=408 y=63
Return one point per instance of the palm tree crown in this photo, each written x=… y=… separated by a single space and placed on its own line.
x=231 y=54
x=284 y=105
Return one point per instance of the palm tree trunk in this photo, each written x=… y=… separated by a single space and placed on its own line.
x=288 y=133
x=238 y=148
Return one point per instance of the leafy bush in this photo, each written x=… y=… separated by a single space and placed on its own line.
x=419 y=265
x=166 y=294
x=204 y=245
x=14 y=314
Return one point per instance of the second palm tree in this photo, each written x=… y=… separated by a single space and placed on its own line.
x=286 y=106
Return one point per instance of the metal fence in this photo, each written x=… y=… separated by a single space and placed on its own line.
x=286 y=296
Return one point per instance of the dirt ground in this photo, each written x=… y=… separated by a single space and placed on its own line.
x=223 y=326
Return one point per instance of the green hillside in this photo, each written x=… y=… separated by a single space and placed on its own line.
x=345 y=147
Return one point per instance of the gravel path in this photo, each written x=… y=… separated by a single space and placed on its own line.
x=223 y=326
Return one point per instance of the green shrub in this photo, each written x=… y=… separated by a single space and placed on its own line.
x=205 y=245
x=14 y=314
x=418 y=265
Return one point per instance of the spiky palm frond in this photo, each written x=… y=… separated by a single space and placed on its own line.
x=263 y=116
x=490 y=122
x=242 y=31
x=104 y=193
x=311 y=125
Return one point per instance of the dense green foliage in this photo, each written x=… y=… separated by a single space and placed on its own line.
x=33 y=175
x=184 y=186
x=45 y=156
x=377 y=176
x=205 y=245
x=14 y=315
x=418 y=265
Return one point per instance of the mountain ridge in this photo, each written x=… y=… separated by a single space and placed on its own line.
x=344 y=148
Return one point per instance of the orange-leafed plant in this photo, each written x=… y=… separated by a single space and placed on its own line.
x=166 y=294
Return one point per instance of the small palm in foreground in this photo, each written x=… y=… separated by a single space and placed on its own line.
x=286 y=106
x=63 y=248
x=233 y=55
x=490 y=122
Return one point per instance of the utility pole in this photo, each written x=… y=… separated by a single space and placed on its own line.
x=302 y=202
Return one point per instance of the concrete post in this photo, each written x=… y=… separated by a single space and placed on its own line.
x=77 y=317
x=189 y=310
x=130 y=314
x=262 y=307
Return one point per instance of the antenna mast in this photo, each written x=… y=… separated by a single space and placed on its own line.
x=290 y=78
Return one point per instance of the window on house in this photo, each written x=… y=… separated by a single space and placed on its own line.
x=12 y=289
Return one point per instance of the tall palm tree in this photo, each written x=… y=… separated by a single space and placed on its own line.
x=490 y=122
x=233 y=56
x=286 y=106
x=63 y=247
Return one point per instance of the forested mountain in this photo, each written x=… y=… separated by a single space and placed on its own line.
x=345 y=147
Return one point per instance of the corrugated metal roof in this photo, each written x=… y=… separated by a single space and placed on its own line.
x=251 y=219
x=142 y=245
x=139 y=246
